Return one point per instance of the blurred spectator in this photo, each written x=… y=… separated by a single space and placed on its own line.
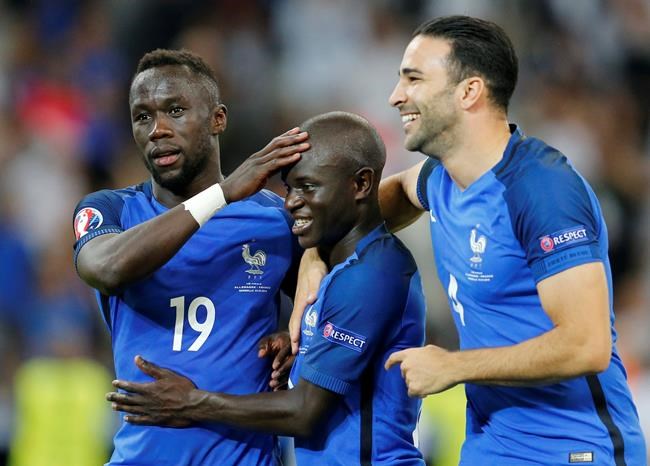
x=585 y=87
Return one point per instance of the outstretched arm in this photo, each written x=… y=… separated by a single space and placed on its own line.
x=398 y=198
x=579 y=343
x=173 y=400
x=111 y=261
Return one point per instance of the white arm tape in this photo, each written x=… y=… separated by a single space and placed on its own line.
x=205 y=204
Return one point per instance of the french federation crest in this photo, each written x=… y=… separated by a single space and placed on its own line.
x=87 y=219
x=256 y=261
x=478 y=246
x=310 y=321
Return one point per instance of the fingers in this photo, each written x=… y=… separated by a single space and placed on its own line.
x=149 y=368
x=125 y=399
x=142 y=420
x=285 y=144
x=279 y=384
x=263 y=347
x=395 y=358
x=281 y=358
x=132 y=387
x=294 y=334
x=295 y=130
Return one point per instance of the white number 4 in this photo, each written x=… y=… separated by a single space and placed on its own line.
x=204 y=327
x=457 y=305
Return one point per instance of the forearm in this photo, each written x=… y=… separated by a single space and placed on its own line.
x=281 y=413
x=553 y=356
x=139 y=251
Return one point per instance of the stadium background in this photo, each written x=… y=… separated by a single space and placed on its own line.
x=65 y=65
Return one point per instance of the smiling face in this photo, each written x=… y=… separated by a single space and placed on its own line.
x=321 y=199
x=175 y=126
x=425 y=97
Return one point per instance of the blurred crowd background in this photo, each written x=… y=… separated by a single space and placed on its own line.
x=65 y=67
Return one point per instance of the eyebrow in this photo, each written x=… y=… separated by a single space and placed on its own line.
x=165 y=101
x=404 y=71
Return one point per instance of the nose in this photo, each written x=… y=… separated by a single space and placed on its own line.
x=293 y=201
x=160 y=129
x=398 y=96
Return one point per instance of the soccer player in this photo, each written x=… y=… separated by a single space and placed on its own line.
x=521 y=248
x=184 y=274
x=344 y=408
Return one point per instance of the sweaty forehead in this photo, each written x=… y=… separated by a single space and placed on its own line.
x=318 y=164
x=165 y=82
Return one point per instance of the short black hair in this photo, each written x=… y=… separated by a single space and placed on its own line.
x=350 y=137
x=194 y=63
x=478 y=47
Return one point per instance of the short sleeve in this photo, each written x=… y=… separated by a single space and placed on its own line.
x=423 y=179
x=362 y=310
x=97 y=214
x=555 y=216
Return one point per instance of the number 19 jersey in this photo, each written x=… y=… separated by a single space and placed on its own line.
x=201 y=314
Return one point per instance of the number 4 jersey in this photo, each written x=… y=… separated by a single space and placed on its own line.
x=201 y=314
x=530 y=217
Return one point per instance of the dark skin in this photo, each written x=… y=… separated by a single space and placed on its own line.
x=172 y=118
x=175 y=120
x=173 y=400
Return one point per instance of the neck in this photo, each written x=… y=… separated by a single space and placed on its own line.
x=345 y=246
x=479 y=147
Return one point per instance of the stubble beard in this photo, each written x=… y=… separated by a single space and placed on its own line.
x=192 y=167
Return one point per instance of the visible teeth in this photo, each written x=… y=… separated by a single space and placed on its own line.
x=410 y=117
x=299 y=222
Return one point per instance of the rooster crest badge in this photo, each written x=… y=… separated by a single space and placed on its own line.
x=477 y=245
x=256 y=260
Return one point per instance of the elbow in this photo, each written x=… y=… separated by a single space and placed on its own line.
x=597 y=356
x=106 y=277
x=305 y=420
x=600 y=361
x=305 y=426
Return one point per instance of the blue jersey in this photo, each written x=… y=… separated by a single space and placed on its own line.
x=530 y=217
x=368 y=307
x=201 y=314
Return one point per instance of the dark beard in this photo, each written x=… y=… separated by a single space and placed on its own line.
x=191 y=168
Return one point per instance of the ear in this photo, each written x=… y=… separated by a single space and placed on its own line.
x=471 y=90
x=364 y=179
x=219 y=119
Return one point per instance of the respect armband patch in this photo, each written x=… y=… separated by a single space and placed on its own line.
x=343 y=337
x=563 y=238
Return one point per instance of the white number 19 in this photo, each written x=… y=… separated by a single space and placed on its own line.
x=204 y=327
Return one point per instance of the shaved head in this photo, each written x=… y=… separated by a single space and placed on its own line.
x=347 y=140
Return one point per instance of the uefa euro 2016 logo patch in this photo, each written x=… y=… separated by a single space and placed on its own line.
x=344 y=337
x=563 y=238
x=87 y=219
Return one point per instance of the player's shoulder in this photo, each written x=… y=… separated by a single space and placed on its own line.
x=384 y=263
x=386 y=254
x=117 y=196
x=536 y=169
x=266 y=198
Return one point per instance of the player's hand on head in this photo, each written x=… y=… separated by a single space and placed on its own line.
x=165 y=401
x=253 y=173
x=311 y=273
x=425 y=370
x=277 y=346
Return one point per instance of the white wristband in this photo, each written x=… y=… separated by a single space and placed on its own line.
x=205 y=204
